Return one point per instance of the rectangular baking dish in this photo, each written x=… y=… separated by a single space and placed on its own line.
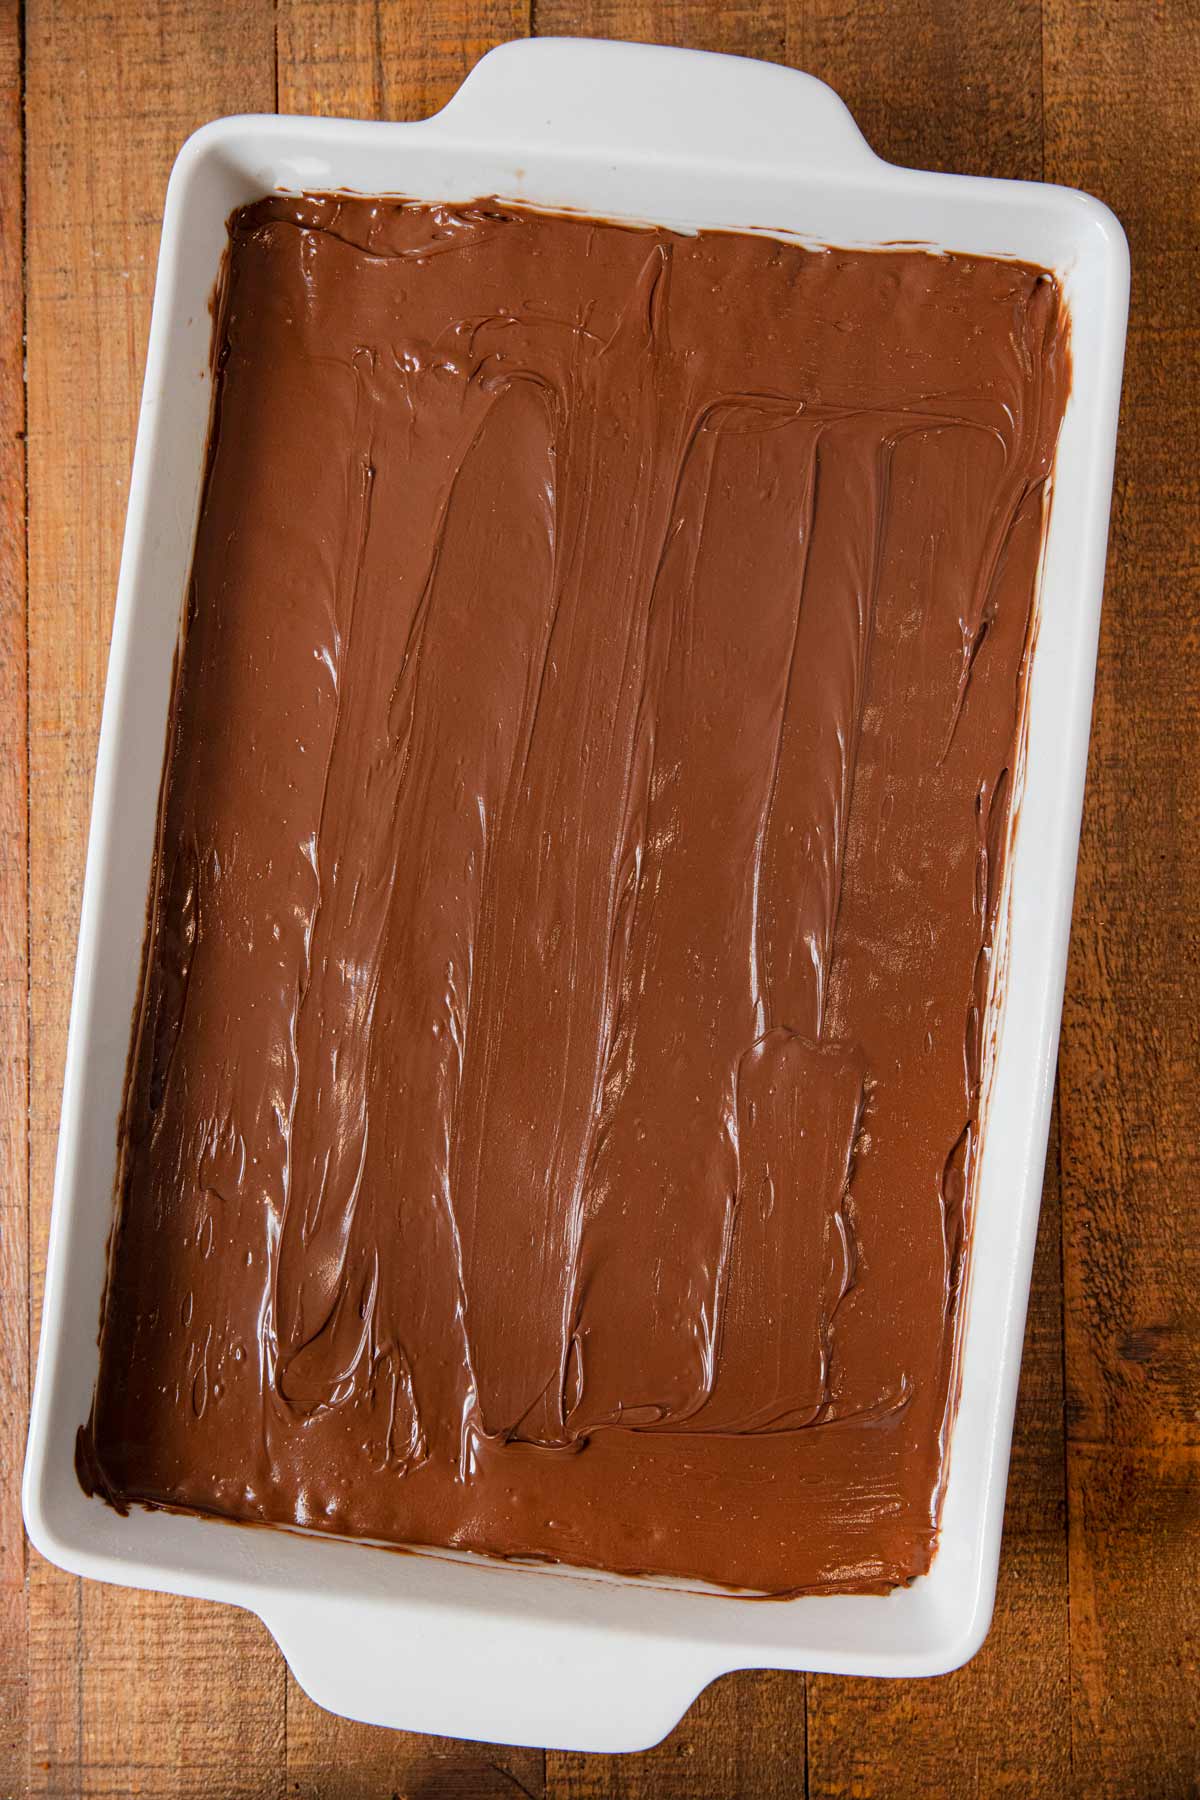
x=453 y=1644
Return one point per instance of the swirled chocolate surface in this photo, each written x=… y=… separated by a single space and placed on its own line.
x=556 y=1090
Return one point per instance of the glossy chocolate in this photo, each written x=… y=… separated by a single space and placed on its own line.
x=556 y=1090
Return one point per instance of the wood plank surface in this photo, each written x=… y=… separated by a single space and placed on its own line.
x=385 y=59
x=1121 y=117
x=14 y=920
x=933 y=84
x=738 y=27
x=1088 y=1684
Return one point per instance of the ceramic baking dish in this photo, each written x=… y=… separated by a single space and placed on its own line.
x=437 y=1642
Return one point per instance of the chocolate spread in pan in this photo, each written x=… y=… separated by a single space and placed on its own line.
x=556 y=1090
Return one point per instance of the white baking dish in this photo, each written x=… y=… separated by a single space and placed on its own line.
x=456 y=1645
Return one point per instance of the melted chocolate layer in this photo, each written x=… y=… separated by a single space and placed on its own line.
x=557 y=1085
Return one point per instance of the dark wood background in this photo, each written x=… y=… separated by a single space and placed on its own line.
x=1088 y=1683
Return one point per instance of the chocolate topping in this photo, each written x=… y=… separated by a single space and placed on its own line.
x=556 y=1089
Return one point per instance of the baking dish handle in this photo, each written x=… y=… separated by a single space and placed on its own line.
x=647 y=99
x=498 y=1677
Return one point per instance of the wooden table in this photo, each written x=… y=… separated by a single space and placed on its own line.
x=1088 y=1683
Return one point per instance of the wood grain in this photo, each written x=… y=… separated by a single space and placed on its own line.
x=335 y=1759
x=385 y=59
x=1120 y=119
x=937 y=84
x=738 y=27
x=1135 y=1624
x=743 y=1737
x=128 y=1692
x=14 y=921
